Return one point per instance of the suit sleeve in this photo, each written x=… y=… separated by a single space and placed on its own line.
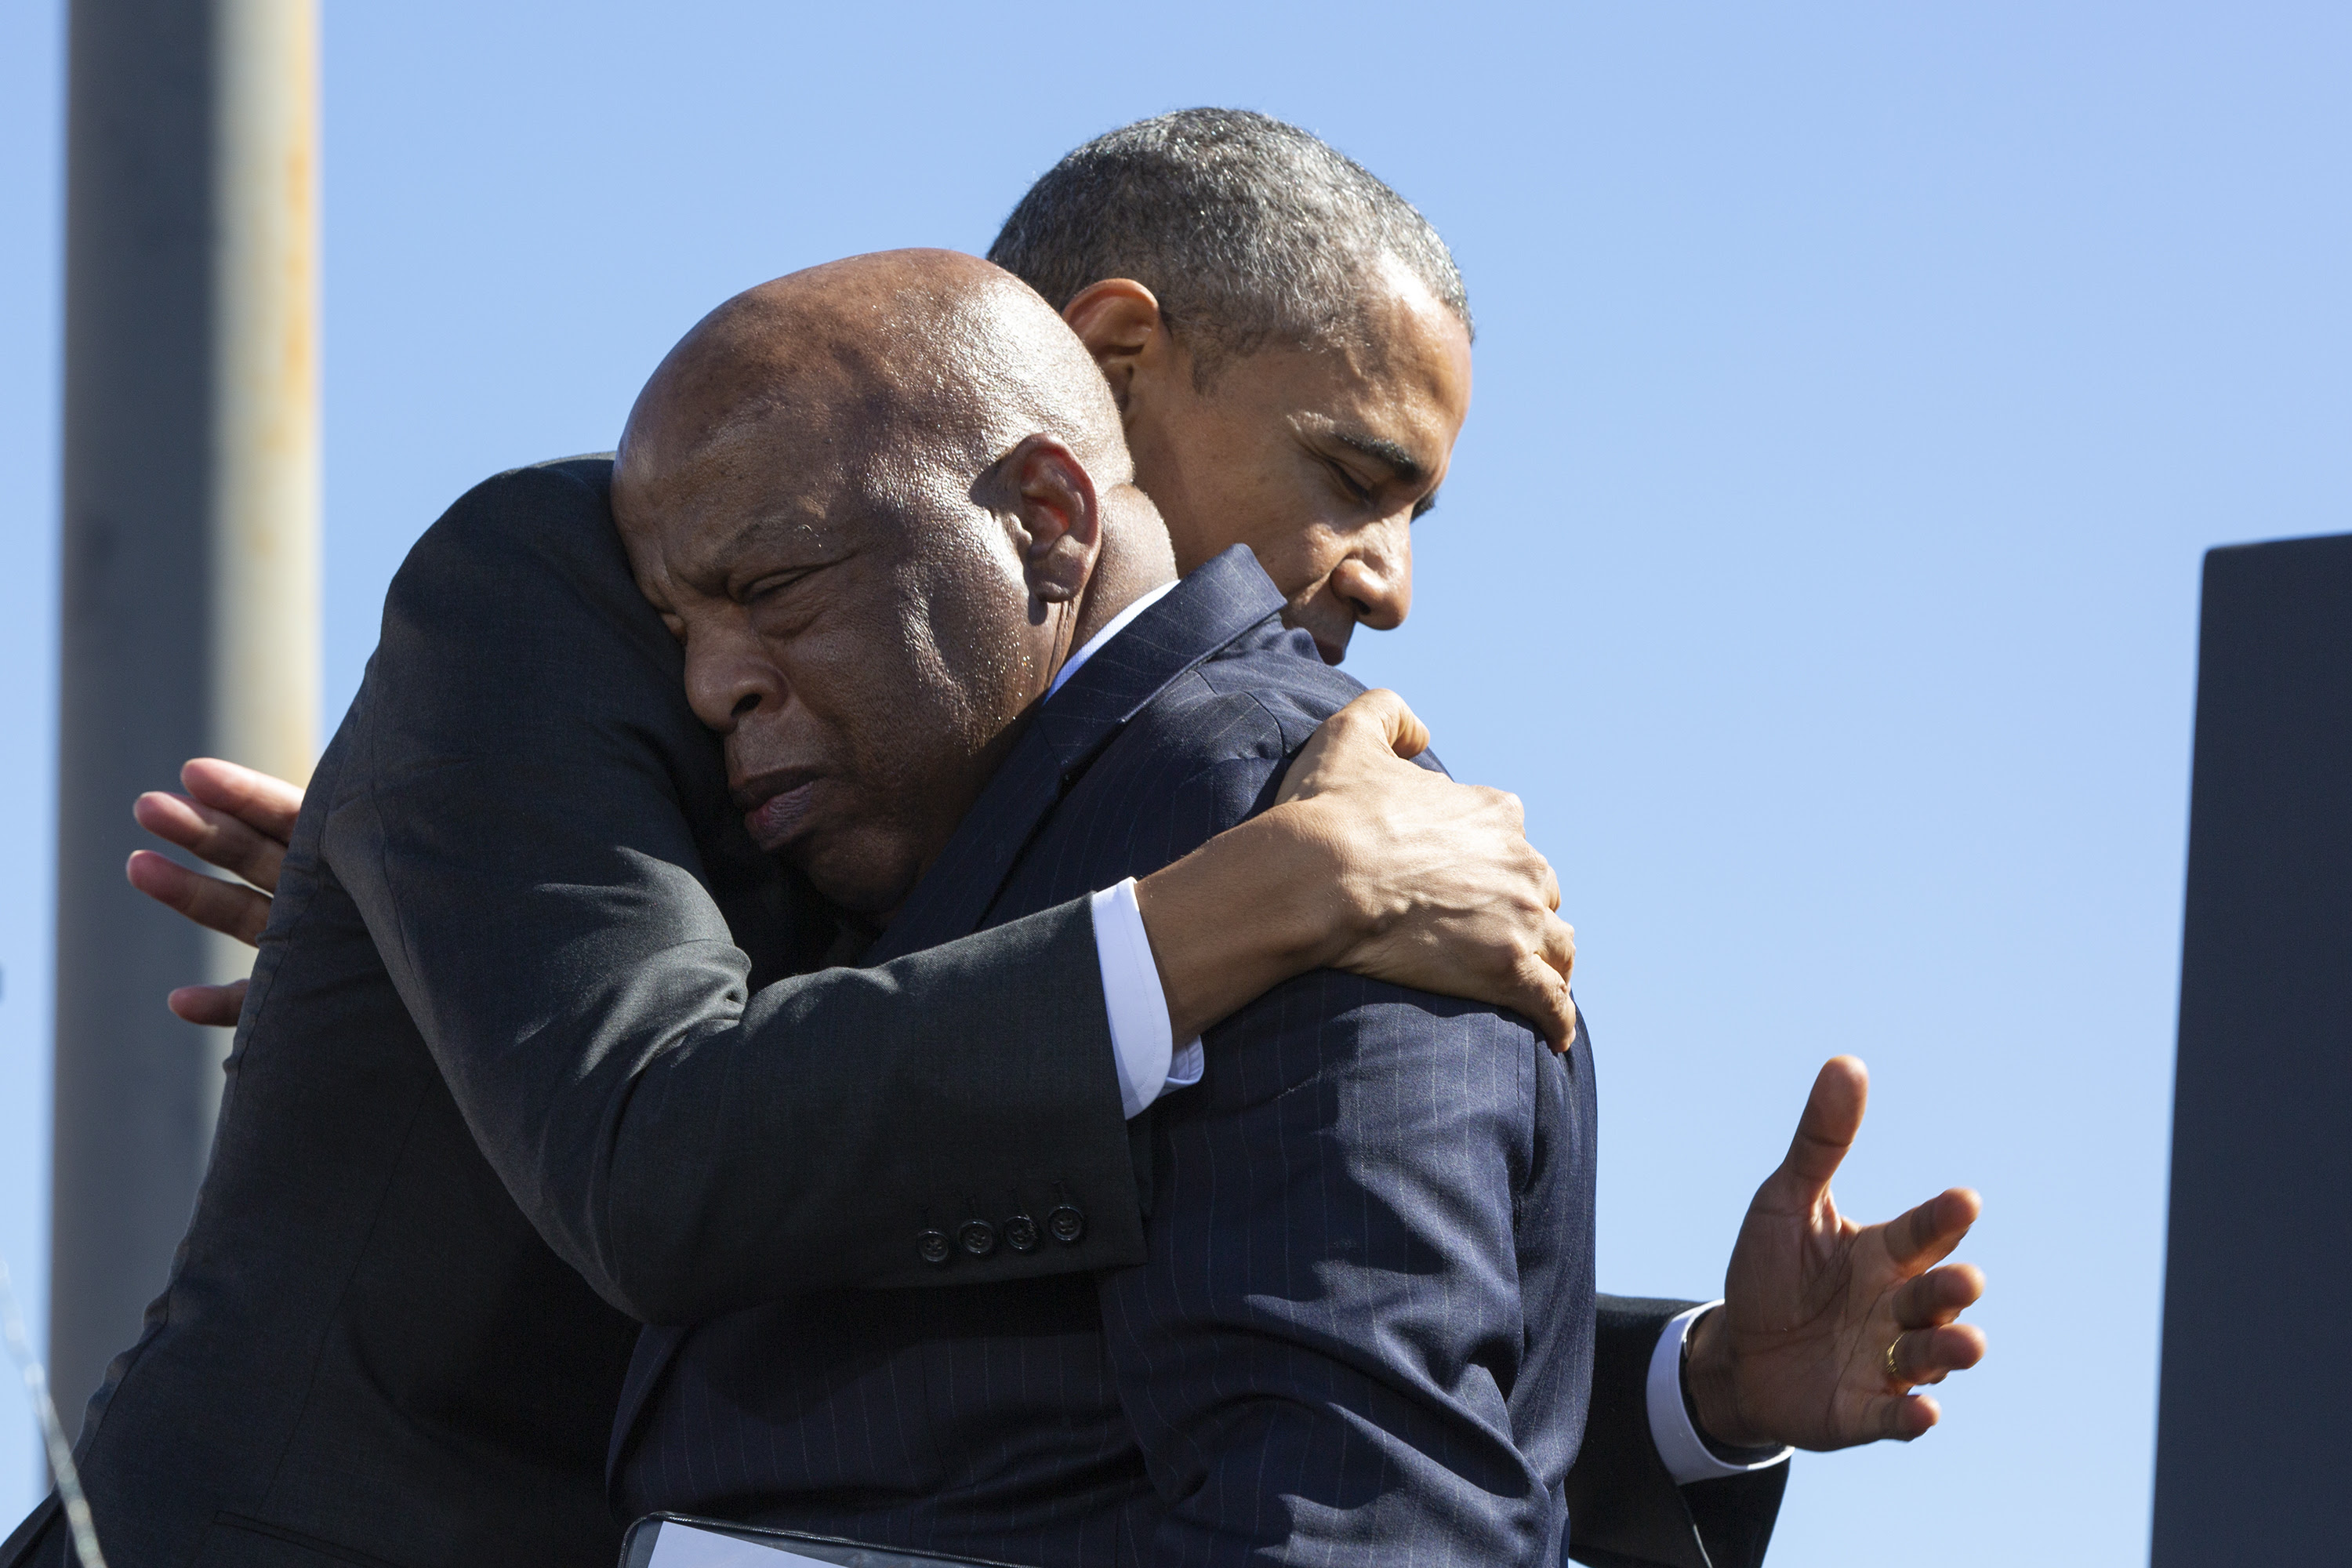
x=516 y=819
x=1329 y=1355
x=1624 y=1510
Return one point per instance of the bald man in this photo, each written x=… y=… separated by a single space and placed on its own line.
x=540 y=1046
x=886 y=507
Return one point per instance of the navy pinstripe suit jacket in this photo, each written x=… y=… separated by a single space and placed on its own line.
x=1364 y=1327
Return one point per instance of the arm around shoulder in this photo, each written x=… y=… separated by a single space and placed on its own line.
x=539 y=836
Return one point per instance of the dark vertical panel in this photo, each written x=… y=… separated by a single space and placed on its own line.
x=132 y=1081
x=2255 y=1421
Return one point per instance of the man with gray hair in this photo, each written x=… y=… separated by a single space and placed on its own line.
x=1288 y=342
x=1259 y=233
x=1288 y=339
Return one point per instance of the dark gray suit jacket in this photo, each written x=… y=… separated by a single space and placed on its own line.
x=378 y=1344
x=1362 y=1331
x=506 y=1083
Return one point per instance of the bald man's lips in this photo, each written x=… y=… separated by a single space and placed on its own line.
x=775 y=806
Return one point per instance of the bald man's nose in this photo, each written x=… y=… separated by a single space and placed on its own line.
x=727 y=681
x=1376 y=575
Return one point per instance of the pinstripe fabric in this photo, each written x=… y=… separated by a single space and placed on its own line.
x=1363 y=1331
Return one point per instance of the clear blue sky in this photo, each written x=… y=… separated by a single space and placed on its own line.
x=1857 y=388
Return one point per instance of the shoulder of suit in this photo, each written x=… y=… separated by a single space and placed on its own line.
x=1279 y=672
x=528 y=562
x=1215 y=714
x=559 y=511
x=560 y=488
x=1232 y=721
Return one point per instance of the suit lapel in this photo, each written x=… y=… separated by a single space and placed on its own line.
x=1208 y=609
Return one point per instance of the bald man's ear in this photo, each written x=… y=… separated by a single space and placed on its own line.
x=1120 y=321
x=1047 y=500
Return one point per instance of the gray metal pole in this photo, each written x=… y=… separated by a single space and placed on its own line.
x=189 y=619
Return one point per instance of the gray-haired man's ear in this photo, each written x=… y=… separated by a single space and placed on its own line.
x=1120 y=321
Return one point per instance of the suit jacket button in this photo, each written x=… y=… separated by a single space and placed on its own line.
x=934 y=1247
x=1021 y=1233
x=1067 y=1224
x=977 y=1237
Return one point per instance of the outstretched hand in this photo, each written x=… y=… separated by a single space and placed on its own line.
x=233 y=818
x=1826 y=1326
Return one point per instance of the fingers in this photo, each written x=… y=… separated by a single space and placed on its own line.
x=1400 y=728
x=268 y=806
x=1831 y=1118
x=1378 y=723
x=1927 y=1233
x=1928 y=1355
x=213 y=835
x=1559 y=947
x=1938 y=1296
x=217 y=1006
x=1540 y=982
x=1540 y=996
x=210 y=903
x=1899 y=1417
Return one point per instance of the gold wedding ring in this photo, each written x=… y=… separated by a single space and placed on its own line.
x=1893 y=1372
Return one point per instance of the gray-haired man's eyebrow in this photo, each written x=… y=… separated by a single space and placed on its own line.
x=1402 y=463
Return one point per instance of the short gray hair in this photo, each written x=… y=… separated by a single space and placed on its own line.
x=1251 y=232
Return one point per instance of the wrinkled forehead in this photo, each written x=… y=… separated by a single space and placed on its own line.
x=812 y=477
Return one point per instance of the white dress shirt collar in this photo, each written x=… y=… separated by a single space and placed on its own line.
x=1117 y=624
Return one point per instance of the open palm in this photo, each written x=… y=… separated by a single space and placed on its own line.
x=1799 y=1353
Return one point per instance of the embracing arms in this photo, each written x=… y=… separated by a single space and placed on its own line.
x=538 y=838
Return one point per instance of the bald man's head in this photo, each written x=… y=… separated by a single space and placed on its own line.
x=879 y=501
x=928 y=349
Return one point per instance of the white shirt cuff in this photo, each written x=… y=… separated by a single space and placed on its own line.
x=1149 y=1063
x=1684 y=1453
